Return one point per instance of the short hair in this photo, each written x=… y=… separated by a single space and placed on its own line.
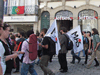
x=22 y=33
x=63 y=29
x=5 y=26
x=29 y=32
x=13 y=37
x=44 y=30
x=89 y=33
x=95 y=31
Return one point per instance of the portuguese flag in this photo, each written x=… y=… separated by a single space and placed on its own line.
x=18 y=10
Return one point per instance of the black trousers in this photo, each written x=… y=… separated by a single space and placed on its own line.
x=74 y=56
x=9 y=67
x=62 y=61
x=17 y=64
x=86 y=56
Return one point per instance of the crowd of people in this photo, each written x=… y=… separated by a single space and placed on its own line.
x=12 y=45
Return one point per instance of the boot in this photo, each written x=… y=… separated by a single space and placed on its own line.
x=97 y=64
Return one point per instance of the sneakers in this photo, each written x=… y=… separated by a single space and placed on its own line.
x=96 y=65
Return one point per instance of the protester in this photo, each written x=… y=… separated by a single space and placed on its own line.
x=18 y=48
x=96 y=52
x=13 y=41
x=90 y=49
x=45 y=55
x=17 y=37
x=63 y=51
x=5 y=52
x=86 y=46
x=27 y=64
x=8 y=49
x=39 y=39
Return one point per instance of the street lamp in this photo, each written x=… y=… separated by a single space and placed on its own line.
x=1 y=9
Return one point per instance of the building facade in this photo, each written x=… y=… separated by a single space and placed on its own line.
x=69 y=14
x=22 y=15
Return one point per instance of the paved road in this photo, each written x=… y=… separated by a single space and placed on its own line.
x=74 y=69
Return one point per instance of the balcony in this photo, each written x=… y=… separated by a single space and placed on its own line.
x=27 y=10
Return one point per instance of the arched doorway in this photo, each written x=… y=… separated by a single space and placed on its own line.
x=88 y=19
x=45 y=20
x=64 y=19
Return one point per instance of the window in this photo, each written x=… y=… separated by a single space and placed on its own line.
x=88 y=19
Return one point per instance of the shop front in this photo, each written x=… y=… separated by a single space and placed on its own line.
x=64 y=19
x=88 y=19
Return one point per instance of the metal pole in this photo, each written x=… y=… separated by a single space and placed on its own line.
x=1 y=9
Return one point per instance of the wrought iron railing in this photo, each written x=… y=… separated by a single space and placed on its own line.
x=27 y=10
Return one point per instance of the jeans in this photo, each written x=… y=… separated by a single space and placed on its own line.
x=28 y=67
x=83 y=53
x=74 y=56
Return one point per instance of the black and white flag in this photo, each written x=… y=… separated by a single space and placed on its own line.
x=76 y=37
x=53 y=33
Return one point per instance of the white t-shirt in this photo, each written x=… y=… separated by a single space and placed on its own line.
x=2 y=51
x=24 y=48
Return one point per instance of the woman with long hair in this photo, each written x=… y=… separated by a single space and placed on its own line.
x=3 y=48
x=96 y=51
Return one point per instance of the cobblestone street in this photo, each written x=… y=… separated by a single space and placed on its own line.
x=74 y=69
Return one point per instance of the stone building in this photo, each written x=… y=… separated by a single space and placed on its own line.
x=69 y=14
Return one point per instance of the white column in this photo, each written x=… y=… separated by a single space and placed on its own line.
x=35 y=27
x=87 y=1
x=63 y=2
x=75 y=22
x=22 y=3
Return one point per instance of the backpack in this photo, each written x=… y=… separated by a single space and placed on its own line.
x=69 y=43
x=52 y=47
x=32 y=47
x=20 y=45
x=18 y=49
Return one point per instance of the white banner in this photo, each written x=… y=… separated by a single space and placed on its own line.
x=76 y=36
x=53 y=33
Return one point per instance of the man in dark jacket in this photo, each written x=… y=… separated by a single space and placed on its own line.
x=63 y=51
